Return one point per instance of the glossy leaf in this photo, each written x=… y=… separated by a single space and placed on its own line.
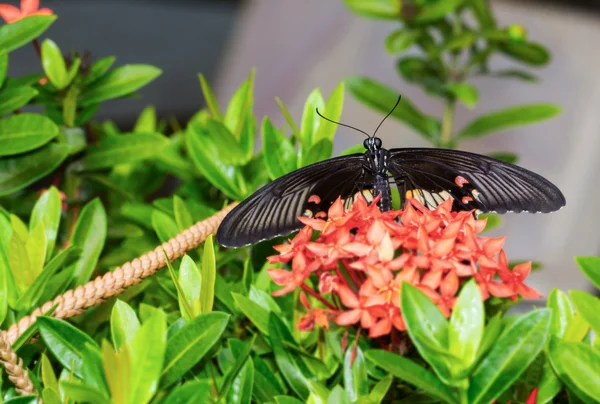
x=292 y=368
x=318 y=152
x=266 y=384
x=3 y=66
x=65 y=342
x=562 y=312
x=191 y=283
x=147 y=350
x=382 y=98
x=225 y=177
x=129 y=148
x=333 y=111
x=36 y=251
x=228 y=148
x=19 y=171
x=577 y=329
x=590 y=266
x=380 y=390
x=510 y=355
x=279 y=154
x=466 y=324
x=124 y=324
x=186 y=308
x=47 y=211
x=400 y=40
x=119 y=82
x=428 y=329
x=507 y=118
x=516 y=74
x=11 y=99
x=98 y=68
x=588 y=307
x=209 y=98
x=238 y=384
x=239 y=106
x=310 y=119
x=255 y=313
x=183 y=217
x=189 y=345
x=23 y=31
x=578 y=365
x=356 y=380
x=83 y=393
x=288 y=118
x=54 y=64
x=465 y=93
x=209 y=274
x=409 y=372
x=433 y=11
x=530 y=53
x=194 y=391
x=89 y=236
x=460 y=41
x=24 y=132
x=146 y=122
x=165 y=227
x=384 y=9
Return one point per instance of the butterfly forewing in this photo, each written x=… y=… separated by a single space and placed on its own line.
x=273 y=210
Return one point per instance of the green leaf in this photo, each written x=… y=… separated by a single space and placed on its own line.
x=89 y=236
x=183 y=217
x=510 y=355
x=23 y=31
x=577 y=329
x=356 y=380
x=310 y=119
x=146 y=122
x=19 y=171
x=289 y=119
x=255 y=312
x=318 y=152
x=190 y=280
x=493 y=220
x=209 y=274
x=210 y=98
x=507 y=157
x=36 y=250
x=3 y=66
x=515 y=74
x=225 y=177
x=187 y=311
x=465 y=93
x=529 y=53
x=279 y=154
x=239 y=106
x=48 y=375
x=562 y=312
x=24 y=132
x=436 y=10
x=427 y=327
x=14 y=98
x=382 y=98
x=507 y=118
x=466 y=324
x=578 y=365
x=400 y=40
x=54 y=64
x=333 y=111
x=409 y=372
x=65 y=342
x=47 y=211
x=228 y=149
x=98 y=69
x=34 y=292
x=588 y=307
x=380 y=390
x=119 y=82
x=194 y=391
x=124 y=324
x=189 y=345
x=590 y=266
x=165 y=227
x=383 y=9
x=239 y=381
x=128 y=148
x=147 y=355
x=463 y=40
x=338 y=395
x=83 y=393
x=291 y=366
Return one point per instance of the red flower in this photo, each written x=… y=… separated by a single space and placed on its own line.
x=28 y=7
x=362 y=256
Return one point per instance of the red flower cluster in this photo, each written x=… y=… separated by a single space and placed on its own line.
x=11 y=13
x=362 y=256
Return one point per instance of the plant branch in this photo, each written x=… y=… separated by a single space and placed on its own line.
x=447 y=123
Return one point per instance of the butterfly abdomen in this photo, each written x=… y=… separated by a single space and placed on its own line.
x=381 y=186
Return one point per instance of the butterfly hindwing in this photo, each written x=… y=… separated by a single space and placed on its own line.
x=274 y=209
x=474 y=181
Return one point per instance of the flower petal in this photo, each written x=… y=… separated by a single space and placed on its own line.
x=10 y=13
x=348 y=317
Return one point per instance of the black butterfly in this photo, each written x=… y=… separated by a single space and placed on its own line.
x=430 y=175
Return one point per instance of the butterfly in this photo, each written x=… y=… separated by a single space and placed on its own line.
x=475 y=182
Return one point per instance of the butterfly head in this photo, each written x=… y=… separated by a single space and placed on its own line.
x=372 y=144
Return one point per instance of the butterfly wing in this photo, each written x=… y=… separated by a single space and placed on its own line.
x=474 y=181
x=273 y=210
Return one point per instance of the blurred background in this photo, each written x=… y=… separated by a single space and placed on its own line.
x=299 y=45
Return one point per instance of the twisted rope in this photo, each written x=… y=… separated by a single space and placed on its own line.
x=75 y=301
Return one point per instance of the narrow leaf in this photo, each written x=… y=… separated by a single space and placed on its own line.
x=89 y=236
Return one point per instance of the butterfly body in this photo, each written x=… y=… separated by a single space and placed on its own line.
x=474 y=181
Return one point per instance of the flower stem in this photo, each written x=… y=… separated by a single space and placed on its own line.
x=36 y=46
x=317 y=296
x=447 y=123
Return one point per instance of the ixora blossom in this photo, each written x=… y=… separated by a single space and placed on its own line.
x=10 y=13
x=361 y=256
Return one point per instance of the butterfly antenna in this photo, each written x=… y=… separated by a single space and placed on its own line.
x=341 y=124
x=386 y=117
